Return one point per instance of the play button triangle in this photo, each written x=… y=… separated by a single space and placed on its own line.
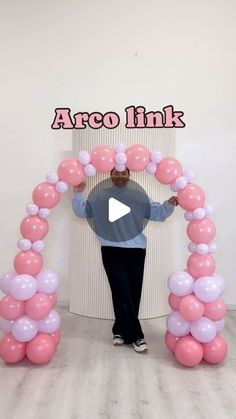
x=116 y=209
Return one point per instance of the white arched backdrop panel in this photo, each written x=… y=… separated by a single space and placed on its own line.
x=89 y=288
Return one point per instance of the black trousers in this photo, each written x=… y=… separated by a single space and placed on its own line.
x=124 y=268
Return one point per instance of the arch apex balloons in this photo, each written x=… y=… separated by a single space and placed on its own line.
x=138 y=156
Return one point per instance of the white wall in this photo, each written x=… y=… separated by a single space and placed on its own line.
x=105 y=56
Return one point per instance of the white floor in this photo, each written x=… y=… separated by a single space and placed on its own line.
x=90 y=378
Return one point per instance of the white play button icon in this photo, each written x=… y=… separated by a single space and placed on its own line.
x=116 y=209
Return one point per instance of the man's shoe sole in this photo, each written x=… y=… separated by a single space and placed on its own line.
x=144 y=348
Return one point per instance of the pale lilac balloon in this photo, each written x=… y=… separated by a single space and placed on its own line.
x=219 y=324
x=202 y=249
x=173 y=187
x=24 y=244
x=208 y=209
x=151 y=168
x=206 y=289
x=38 y=246
x=89 y=170
x=203 y=329
x=181 y=182
x=32 y=209
x=84 y=157
x=220 y=281
x=120 y=167
x=51 y=323
x=177 y=325
x=199 y=213
x=24 y=329
x=120 y=158
x=156 y=156
x=212 y=248
x=47 y=281
x=119 y=148
x=188 y=216
x=189 y=175
x=192 y=247
x=52 y=177
x=23 y=287
x=61 y=187
x=44 y=213
x=6 y=325
x=5 y=281
x=180 y=283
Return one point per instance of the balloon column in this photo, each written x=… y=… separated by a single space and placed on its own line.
x=27 y=314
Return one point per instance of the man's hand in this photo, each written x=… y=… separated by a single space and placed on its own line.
x=173 y=201
x=80 y=187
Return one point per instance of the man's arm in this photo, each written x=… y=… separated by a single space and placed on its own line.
x=80 y=205
x=159 y=212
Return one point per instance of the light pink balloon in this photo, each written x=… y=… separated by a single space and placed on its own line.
x=34 y=228
x=12 y=351
x=201 y=231
x=39 y=306
x=138 y=157
x=10 y=308
x=191 y=308
x=103 y=158
x=174 y=301
x=51 y=323
x=23 y=287
x=215 y=310
x=215 y=351
x=201 y=265
x=168 y=170
x=41 y=349
x=5 y=281
x=191 y=197
x=45 y=195
x=188 y=351
x=171 y=341
x=71 y=171
x=29 y=262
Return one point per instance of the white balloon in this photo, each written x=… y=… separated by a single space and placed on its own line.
x=219 y=324
x=156 y=156
x=189 y=175
x=38 y=246
x=199 y=213
x=32 y=209
x=208 y=209
x=120 y=158
x=202 y=249
x=61 y=187
x=173 y=187
x=120 y=167
x=84 y=157
x=119 y=148
x=212 y=248
x=24 y=244
x=151 y=168
x=52 y=177
x=44 y=212
x=181 y=182
x=89 y=170
x=192 y=247
x=188 y=216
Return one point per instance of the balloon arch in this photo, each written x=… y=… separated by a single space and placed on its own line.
x=27 y=314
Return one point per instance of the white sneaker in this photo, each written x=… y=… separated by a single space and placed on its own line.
x=140 y=345
x=118 y=340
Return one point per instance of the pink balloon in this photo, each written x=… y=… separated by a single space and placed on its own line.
x=191 y=197
x=53 y=298
x=45 y=195
x=12 y=351
x=171 y=341
x=215 y=310
x=10 y=308
x=215 y=351
x=40 y=349
x=57 y=337
x=201 y=231
x=201 y=265
x=188 y=351
x=138 y=157
x=39 y=306
x=71 y=171
x=168 y=170
x=191 y=308
x=34 y=228
x=103 y=158
x=174 y=301
x=29 y=262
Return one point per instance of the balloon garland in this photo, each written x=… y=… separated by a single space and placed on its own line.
x=27 y=314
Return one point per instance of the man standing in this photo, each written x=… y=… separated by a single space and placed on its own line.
x=123 y=259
